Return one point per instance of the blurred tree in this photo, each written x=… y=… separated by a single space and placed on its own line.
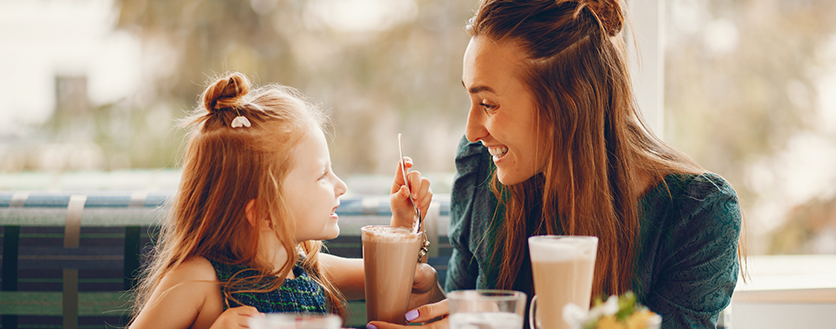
x=742 y=80
x=729 y=81
x=810 y=228
x=378 y=82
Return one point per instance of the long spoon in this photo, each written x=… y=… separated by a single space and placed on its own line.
x=425 y=247
x=403 y=171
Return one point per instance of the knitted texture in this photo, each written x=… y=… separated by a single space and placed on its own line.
x=299 y=295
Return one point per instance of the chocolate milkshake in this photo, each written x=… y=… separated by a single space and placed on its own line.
x=389 y=257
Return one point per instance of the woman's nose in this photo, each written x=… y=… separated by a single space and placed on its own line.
x=475 y=130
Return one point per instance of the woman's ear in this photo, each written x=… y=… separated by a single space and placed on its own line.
x=249 y=211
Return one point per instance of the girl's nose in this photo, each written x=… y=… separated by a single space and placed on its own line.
x=340 y=188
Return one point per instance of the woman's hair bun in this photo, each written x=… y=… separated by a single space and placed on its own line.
x=226 y=92
x=608 y=12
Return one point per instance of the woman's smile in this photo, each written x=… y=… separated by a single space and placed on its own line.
x=503 y=114
x=497 y=152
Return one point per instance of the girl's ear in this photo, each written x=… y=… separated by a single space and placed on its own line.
x=249 y=211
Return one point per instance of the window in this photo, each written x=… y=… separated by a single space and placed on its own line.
x=93 y=88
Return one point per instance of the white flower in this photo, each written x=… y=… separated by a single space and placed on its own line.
x=610 y=307
x=240 y=121
x=574 y=315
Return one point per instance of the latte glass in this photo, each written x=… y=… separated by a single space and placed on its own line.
x=563 y=267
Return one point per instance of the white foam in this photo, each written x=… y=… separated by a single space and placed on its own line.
x=568 y=248
x=388 y=234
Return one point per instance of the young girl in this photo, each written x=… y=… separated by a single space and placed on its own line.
x=256 y=195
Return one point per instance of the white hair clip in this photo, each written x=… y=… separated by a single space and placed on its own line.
x=240 y=121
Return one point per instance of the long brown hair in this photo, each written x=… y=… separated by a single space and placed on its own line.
x=223 y=169
x=597 y=146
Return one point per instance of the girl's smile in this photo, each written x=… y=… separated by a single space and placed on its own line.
x=312 y=190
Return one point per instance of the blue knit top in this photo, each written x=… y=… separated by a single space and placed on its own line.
x=299 y=295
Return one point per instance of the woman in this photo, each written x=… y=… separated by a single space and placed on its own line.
x=555 y=145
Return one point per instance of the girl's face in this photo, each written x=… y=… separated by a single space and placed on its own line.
x=502 y=114
x=312 y=190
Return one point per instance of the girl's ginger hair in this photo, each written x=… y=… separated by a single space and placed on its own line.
x=595 y=142
x=223 y=169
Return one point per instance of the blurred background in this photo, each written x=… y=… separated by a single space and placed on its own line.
x=91 y=91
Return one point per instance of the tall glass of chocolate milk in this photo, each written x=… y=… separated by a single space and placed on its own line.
x=563 y=267
x=390 y=255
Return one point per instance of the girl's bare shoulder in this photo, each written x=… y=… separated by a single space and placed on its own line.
x=195 y=269
x=187 y=296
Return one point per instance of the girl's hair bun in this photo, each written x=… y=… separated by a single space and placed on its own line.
x=226 y=92
x=608 y=12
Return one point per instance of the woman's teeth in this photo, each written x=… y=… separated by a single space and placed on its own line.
x=498 y=151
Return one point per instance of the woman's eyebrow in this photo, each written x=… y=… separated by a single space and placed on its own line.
x=478 y=89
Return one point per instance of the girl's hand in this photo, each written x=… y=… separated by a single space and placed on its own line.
x=403 y=214
x=422 y=314
x=236 y=317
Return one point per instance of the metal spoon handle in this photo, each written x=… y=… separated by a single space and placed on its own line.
x=403 y=172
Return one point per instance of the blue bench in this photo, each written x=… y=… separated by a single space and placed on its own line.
x=70 y=258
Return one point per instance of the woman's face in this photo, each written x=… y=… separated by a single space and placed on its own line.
x=502 y=114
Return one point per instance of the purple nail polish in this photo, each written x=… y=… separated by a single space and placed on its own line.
x=411 y=315
x=371 y=326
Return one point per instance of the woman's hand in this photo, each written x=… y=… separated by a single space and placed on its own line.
x=236 y=317
x=403 y=214
x=425 y=286
x=422 y=314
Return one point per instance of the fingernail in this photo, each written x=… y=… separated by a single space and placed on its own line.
x=411 y=315
x=371 y=326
